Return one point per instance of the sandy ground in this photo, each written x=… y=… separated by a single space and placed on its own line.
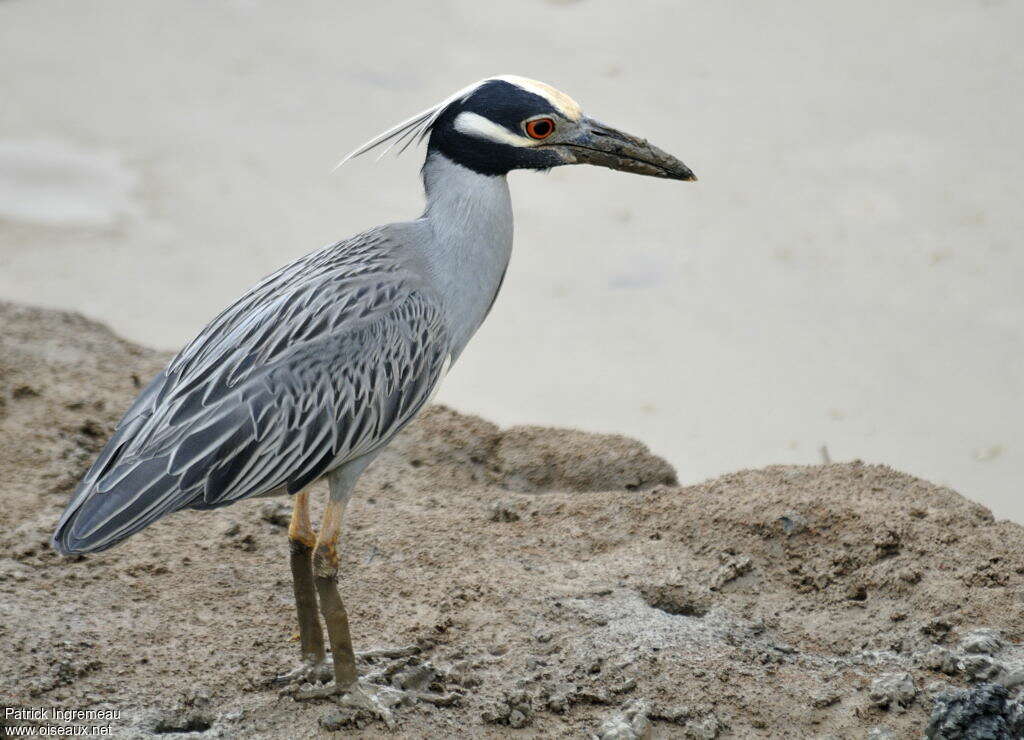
x=846 y=272
x=553 y=583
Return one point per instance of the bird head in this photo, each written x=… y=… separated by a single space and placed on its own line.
x=507 y=123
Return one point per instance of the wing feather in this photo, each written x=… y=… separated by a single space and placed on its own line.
x=320 y=363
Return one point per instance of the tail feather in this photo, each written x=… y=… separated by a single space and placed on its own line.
x=99 y=520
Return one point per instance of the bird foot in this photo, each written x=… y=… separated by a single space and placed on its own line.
x=391 y=677
x=320 y=671
x=357 y=703
x=386 y=661
x=407 y=675
x=388 y=653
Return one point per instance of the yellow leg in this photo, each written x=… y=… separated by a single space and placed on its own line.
x=301 y=540
x=325 y=575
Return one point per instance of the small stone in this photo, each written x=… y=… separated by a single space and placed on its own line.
x=246 y=543
x=346 y=718
x=824 y=699
x=983 y=641
x=982 y=711
x=179 y=720
x=886 y=544
x=520 y=700
x=1014 y=679
x=496 y=714
x=558 y=703
x=856 y=592
x=630 y=724
x=197 y=698
x=880 y=733
x=92 y=428
x=416 y=677
x=677 y=599
x=276 y=513
x=936 y=628
x=980 y=667
x=503 y=512
x=625 y=687
x=731 y=569
x=911 y=575
x=939 y=659
x=791 y=523
x=516 y=710
x=459 y=671
x=677 y=714
x=892 y=690
x=702 y=729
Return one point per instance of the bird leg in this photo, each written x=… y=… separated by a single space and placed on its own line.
x=301 y=540
x=356 y=700
x=325 y=575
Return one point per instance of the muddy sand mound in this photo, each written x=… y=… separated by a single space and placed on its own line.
x=543 y=581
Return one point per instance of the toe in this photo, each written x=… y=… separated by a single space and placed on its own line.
x=308 y=692
x=308 y=672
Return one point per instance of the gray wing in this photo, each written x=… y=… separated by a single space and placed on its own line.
x=321 y=363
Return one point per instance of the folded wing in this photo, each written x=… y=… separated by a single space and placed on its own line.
x=320 y=363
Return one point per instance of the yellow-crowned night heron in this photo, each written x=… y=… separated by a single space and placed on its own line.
x=321 y=364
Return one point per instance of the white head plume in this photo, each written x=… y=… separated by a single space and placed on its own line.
x=415 y=129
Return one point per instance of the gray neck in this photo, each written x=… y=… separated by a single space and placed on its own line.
x=470 y=220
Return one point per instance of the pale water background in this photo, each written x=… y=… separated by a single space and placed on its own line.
x=848 y=271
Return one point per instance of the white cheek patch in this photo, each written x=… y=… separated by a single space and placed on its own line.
x=473 y=124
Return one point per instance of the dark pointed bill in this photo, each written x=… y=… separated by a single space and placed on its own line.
x=604 y=146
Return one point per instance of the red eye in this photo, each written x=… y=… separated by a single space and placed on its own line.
x=540 y=128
